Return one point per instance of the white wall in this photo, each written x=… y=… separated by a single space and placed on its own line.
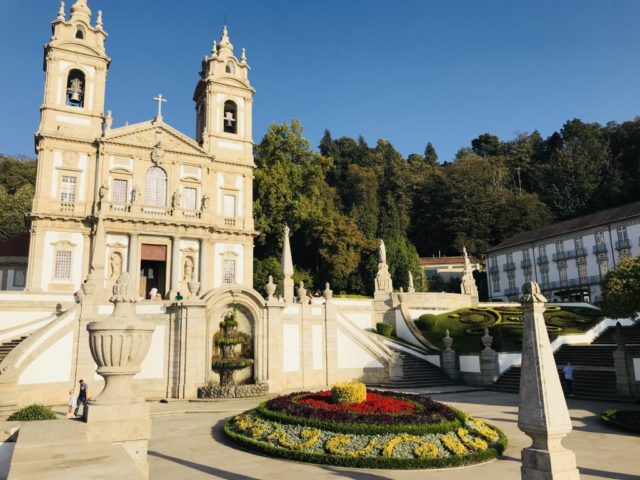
x=154 y=362
x=53 y=365
x=290 y=348
x=351 y=355
x=317 y=342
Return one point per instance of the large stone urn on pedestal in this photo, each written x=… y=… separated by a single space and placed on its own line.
x=118 y=345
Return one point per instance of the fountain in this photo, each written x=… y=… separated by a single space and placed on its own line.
x=233 y=354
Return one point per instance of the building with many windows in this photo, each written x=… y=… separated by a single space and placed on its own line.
x=568 y=259
x=172 y=209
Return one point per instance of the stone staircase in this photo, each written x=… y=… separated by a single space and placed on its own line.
x=594 y=373
x=418 y=373
x=6 y=347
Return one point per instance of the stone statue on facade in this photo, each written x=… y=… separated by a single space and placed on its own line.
x=411 y=288
x=176 y=199
x=134 y=194
x=115 y=265
x=382 y=252
x=188 y=270
x=204 y=204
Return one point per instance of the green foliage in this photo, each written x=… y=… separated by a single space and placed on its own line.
x=621 y=289
x=627 y=420
x=384 y=329
x=32 y=413
x=15 y=174
x=262 y=268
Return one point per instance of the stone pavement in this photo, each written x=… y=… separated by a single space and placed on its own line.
x=187 y=442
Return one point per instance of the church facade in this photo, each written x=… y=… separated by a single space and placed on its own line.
x=177 y=212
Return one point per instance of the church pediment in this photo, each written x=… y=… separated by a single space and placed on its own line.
x=151 y=135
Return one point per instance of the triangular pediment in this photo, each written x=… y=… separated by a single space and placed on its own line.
x=149 y=134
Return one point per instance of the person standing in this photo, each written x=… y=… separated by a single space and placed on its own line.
x=567 y=371
x=82 y=398
x=70 y=404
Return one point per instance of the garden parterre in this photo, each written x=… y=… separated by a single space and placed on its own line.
x=433 y=435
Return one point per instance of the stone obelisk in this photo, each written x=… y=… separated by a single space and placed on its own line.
x=286 y=286
x=543 y=413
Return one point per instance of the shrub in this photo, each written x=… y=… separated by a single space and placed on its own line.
x=384 y=329
x=349 y=392
x=31 y=413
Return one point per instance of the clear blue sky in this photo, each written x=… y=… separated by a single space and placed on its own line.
x=408 y=71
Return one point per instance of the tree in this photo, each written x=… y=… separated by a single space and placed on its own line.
x=430 y=155
x=13 y=209
x=621 y=289
x=486 y=145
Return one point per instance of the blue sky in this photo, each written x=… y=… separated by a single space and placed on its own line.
x=408 y=71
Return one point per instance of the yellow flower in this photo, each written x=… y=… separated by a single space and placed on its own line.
x=483 y=430
x=422 y=450
x=452 y=444
x=336 y=443
x=473 y=443
x=309 y=436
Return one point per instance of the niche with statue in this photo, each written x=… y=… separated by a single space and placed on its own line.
x=232 y=358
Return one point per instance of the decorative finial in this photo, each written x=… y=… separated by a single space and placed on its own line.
x=99 y=20
x=61 y=14
x=214 y=49
x=327 y=293
x=80 y=11
x=243 y=58
x=108 y=121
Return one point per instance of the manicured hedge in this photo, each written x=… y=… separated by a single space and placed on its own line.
x=627 y=420
x=384 y=329
x=33 y=413
x=363 y=462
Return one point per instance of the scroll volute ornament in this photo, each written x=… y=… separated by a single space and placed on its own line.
x=119 y=344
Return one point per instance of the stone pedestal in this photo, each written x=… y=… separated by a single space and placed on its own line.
x=543 y=413
x=489 y=364
x=396 y=368
x=383 y=281
x=118 y=345
x=623 y=379
x=128 y=425
x=449 y=358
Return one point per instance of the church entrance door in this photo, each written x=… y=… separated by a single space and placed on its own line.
x=153 y=270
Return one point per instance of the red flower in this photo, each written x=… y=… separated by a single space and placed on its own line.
x=375 y=403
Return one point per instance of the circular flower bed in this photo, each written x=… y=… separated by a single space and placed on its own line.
x=387 y=430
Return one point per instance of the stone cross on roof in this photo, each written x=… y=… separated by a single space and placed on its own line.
x=160 y=99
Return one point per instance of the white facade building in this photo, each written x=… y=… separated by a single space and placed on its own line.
x=568 y=259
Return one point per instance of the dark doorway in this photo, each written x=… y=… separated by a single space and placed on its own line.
x=153 y=270
x=152 y=275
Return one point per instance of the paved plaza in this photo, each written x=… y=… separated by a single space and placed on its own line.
x=187 y=442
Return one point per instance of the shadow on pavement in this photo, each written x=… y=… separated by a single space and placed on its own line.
x=218 y=473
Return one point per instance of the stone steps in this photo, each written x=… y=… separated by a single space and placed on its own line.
x=417 y=373
x=631 y=336
x=7 y=347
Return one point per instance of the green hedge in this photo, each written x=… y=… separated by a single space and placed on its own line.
x=362 y=428
x=384 y=329
x=32 y=413
x=368 y=462
x=627 y=424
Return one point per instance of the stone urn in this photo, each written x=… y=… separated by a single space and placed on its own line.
x=193 y=288
x=487 y=339
x=447 y=341
x=270 y=288
x=119 y=344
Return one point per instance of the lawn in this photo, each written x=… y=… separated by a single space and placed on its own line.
x=467 y=325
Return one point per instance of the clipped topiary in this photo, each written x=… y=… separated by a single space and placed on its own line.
x=384 y=329
x=349 y=392
x=31 y=413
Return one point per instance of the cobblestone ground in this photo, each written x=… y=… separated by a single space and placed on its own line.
x=187 y=442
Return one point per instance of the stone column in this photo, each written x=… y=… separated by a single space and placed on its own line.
x=449 y=364
x=205 y=274
x=543 y=413
x=34 y=267
x=621 y=364
x=489 y=364
x=175 y=267
x=118 y=345
x=133 y=266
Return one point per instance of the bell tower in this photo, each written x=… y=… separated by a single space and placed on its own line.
x=224 y=99
x=75 y=66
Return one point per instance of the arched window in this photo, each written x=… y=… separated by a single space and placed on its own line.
x=75 y=88
x=80 y=32
x=230 y=117
x=230 y=68
x=156 y=192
